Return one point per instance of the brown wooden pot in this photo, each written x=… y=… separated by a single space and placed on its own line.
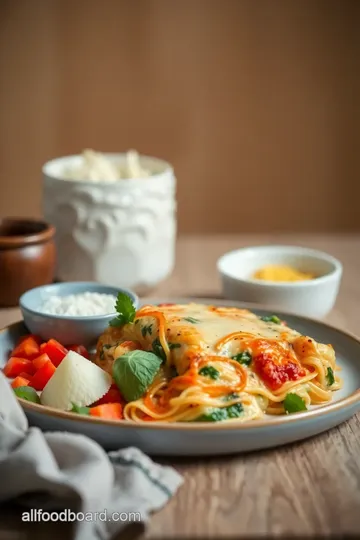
x=27 y=257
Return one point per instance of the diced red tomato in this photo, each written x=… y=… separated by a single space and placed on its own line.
x=275 y=374
x=80 y=349
x=112 y=396
x=25 y=375
x=34 y=336
x=107 y=410
x=14 y=366
x=19 y=381
x=27 y=348
x=42 y=376
x=55 y=351
x=39 y=361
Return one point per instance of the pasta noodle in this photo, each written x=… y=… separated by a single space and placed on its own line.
x=221 y=364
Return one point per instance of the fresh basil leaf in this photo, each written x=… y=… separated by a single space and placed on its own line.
x=191 y=320
x=271 y=318
x=125 y=309
x=294 y=403
x=220 y=414
x=134 y=372
x=79 y=410
x=330 y=376
x=28 y=393
x=243 y=358
x=174 y=345
x=209 y=371
x=158 y=349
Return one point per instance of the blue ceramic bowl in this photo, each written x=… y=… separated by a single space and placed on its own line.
x=67 y=329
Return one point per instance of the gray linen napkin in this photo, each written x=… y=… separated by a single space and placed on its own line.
x=54 y=471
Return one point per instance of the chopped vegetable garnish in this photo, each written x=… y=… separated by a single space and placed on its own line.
x=14 y=366
x=112 y=396
x=27 y=348
x=80 y=349
x=19 y=381
x=271 y=318
x=79 y=410
x=294 y=403
x=191 y=320
x=55 y=351
x=112 y=411
x=43 y=375
x=28 y=393
x=243 y=357
x=224 y=413
x=147 y=329
x=125 y=309
x=41 y=360
x=209 y=371
x=158 y=349
x=134 y=372
x=174 y=345
x=330 y=376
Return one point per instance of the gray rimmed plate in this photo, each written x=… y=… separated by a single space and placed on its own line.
x=219 y=438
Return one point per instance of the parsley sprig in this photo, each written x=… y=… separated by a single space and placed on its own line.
x=125 y=310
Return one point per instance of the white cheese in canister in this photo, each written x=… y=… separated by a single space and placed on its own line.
x=79 y=305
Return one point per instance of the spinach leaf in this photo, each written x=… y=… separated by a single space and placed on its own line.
x=209 y=371
x=79 y=410
x=243 y=358
x=147 y=329
x=28 y=393
x=158 y=349
x=134 y=372
x=220 y=414
x=125 y=309
x=271 y=318
x=330 y=376
x=294 y=403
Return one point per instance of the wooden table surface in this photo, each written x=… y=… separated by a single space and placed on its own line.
x=309 y=488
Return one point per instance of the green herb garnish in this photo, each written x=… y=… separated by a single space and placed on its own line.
x=220 y=414
x=158 y=349
x=125 y=309
x=191 y=320
x=271 y=318
x=243 y=358
x=330 y=376
x=28 y=393
x=79 y=410
x=230 y=397
x=147 y=329
x=134 y=371
x=174 y=345
x=294 y=403
x=209 y=371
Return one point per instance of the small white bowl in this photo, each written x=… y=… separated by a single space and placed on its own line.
x=314 y=298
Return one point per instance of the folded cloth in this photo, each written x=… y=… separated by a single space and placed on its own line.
x=63 y=472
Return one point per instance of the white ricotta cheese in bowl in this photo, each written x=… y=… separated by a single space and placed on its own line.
x=85 y=304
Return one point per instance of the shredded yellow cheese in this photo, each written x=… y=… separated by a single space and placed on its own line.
x=281 y=273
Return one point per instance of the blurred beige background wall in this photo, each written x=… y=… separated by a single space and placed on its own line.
x=256 y=103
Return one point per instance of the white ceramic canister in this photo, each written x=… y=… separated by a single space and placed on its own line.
x=119 y=233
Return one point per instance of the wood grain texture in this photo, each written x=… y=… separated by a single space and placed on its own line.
x=254 y=101
x=308 y=489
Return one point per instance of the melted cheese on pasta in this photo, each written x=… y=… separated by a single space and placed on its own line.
x=205 y=375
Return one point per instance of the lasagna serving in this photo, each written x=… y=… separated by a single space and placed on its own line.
x=193 y=362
